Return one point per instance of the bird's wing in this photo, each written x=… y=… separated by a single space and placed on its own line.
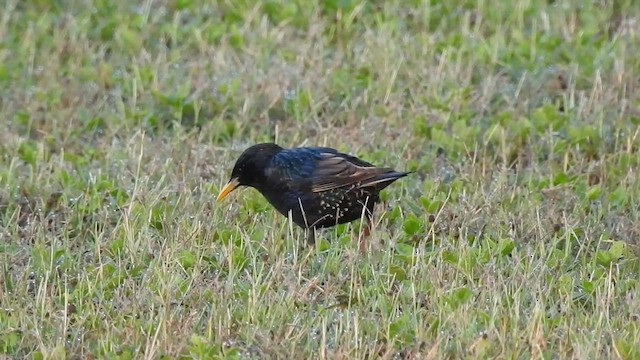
x=294 y=168
x=334 y=170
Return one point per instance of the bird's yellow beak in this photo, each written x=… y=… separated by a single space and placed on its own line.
x=231 y=185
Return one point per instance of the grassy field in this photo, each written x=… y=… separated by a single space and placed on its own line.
x=518 y=236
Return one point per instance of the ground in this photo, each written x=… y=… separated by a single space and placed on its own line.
x=517 y=237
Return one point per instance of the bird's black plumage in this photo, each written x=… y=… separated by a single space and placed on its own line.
x=319 y=186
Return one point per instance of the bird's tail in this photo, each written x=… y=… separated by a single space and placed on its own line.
x=385 y=179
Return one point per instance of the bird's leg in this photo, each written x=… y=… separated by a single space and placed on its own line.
x=366 y=231
x=367 y=227
x=311 y=236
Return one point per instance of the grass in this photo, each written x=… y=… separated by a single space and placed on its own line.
x=516 y=238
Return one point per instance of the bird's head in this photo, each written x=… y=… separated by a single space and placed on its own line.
x=249 y=168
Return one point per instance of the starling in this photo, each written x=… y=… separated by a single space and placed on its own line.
x=319 y=186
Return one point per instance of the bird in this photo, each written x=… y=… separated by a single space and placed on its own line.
x=319 y=187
